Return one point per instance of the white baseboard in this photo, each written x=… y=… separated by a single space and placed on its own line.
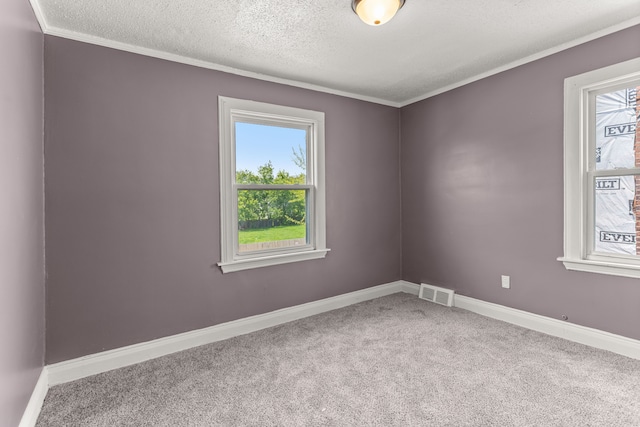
x=558 y=328
x=82 y=367
x=410 y=288
x=31 y=413
x=74 y=369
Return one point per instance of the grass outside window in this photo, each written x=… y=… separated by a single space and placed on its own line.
x=272 y=234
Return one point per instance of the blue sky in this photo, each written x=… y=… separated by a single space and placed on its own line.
x=257 y=144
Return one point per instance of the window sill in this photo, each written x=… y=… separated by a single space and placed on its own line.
x=265 y=261
x=601 y=267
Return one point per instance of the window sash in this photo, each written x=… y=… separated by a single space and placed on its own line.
x=310 y=219
x=590 y=96
x=310 y=128
x=590 y=251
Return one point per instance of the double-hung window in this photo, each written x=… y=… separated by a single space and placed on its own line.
x=272 y=196
x=602 y=171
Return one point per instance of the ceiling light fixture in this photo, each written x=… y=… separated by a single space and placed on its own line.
x=376 y=12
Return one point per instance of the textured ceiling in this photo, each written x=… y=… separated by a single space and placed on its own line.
x=430 y=46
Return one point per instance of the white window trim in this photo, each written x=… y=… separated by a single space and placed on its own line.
x=228 y=110
x=577 y=200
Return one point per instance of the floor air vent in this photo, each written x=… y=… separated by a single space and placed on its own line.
x=435 y=294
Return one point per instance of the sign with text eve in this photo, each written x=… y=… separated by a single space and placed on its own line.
x=615 y=237
x=621 y=129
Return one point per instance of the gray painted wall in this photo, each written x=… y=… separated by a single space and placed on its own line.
x=21 y=209
x=133 y=206
x=132 y=200
x=482 y=190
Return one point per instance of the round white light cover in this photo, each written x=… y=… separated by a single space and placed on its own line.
x=377 y=12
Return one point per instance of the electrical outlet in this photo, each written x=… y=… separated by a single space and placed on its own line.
x=506 y=282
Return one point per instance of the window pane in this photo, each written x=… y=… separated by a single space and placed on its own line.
x=616 y=224
x=271 y=219
x=270 y=154
x=616 y=124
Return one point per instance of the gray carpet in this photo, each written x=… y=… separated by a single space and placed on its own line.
x=394 y=361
